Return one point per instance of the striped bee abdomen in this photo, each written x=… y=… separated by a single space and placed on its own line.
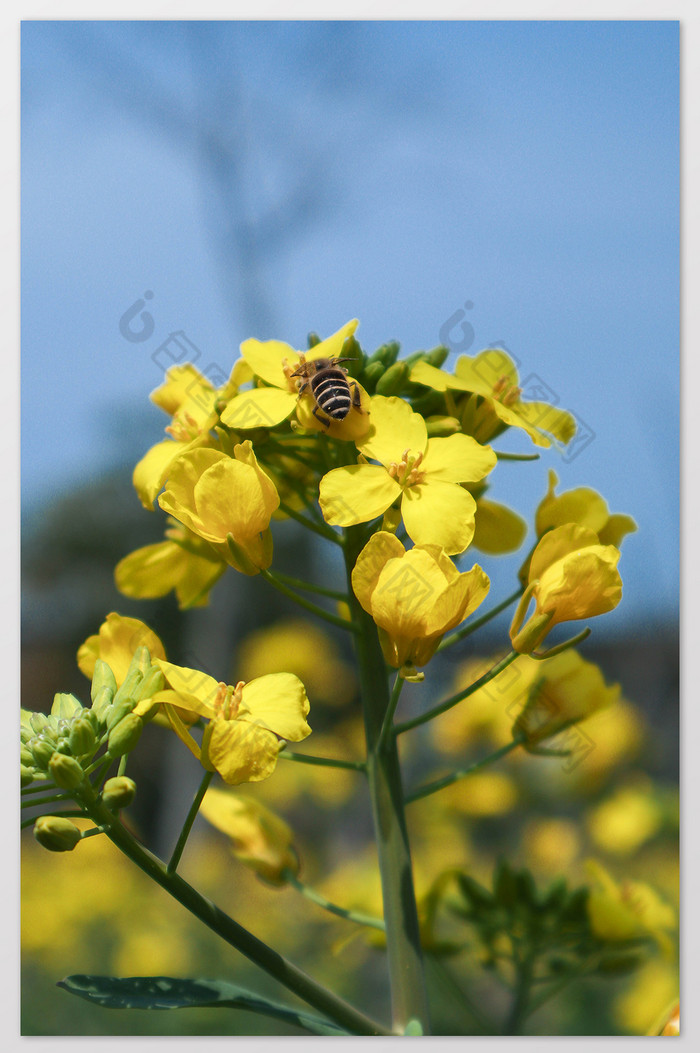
x=332 y=393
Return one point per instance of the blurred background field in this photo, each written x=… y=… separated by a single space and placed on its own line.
x=266 y=179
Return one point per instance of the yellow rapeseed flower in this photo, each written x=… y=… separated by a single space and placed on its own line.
x=215 y=496
x=115 y=643
x=260 y=839
x=414 y=597
x=585 y=507
x=571 y=576
x=184 y=562
x=191 y=400
x=274 y=362
x=246 y=723
x=628 y=910
x=495 y=403
x=423 y=475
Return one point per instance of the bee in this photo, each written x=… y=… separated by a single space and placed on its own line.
x=330 y=388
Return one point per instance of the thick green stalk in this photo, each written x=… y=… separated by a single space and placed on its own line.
x=408 y=991
x=255 y=950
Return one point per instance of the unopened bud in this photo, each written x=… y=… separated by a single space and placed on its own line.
x=65 y=771
x=124 y=735
x=42 y=749
x=81 y=737
x=152 y=682
x=393 y=380
x=127 y=688
x=372 y=372
x=118 y=792
x=26 y=775
x=101 y=702
x=117 y=711
x=442 y=426
x=102 y=680
x=26 y=757
x=436 y=357
x=56 y=834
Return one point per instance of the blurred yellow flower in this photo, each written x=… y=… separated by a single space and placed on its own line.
x=628 y=910
x=495 y=402
x=482 y=794
x=586 y=508
x=185 y=563
x=648 y=1002
x=424 y=475
x=246 y=723
x=414 y=597
x=260 y=839
x=551 y=845
x=571 y=576
x=626 y=820
x=498 y=528
x=215 y=495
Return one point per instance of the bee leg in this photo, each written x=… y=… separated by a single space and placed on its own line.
x=356 y=397
x=326 y=423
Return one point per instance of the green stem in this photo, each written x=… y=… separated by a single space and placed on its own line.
x=448 y=641
x=332 y=908
x=408 y=990
x=388 y=721
x=444 y=706
x=255 y=950
x=46 y=800
x=307 y=586
x=334 y=619
x=516 y=456
x=191 y=816
x=447 y=780
x=326 y=762
x=518 y=1010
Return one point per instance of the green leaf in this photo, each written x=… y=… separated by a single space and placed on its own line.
x=167 y=992
x=413 y=1027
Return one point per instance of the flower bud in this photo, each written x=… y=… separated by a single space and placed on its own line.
x=42 y=749
x=371 y=374
x=26 y=775
x=65 y=771
x=56 y=834
x=102 y=680
x=26 y=757
x=118 y=792
x=38 y=722
x=440 y=427
x=131 y=682
x=81 y=737
x=102 y=700
x=152 y=682
x=436 y=357
x=117 y=711
x=393 y=379
x=124 y=735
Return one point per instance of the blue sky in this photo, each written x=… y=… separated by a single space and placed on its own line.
x=264 y=179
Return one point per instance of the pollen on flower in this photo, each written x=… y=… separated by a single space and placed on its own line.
x=228 y=699
x=288 y=370
x=183 y=428
x=505 y=392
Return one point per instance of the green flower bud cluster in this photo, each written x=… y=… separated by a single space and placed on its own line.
x=382 y=373
x=60 y=745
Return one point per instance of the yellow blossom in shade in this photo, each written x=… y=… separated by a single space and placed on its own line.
x=498 y=528
x=192 y=402
x=423 y=475
x=481 y=794
x=414 y=597
x=562 y=690
x=184 y=562
x=260 y=839
x=492 y=380
x=571 y=576
x=115 y=643
x=214 y=495
x=246 y=723
x=626 y=820
x=274 y=362
x=586 y=508
x=628 y=910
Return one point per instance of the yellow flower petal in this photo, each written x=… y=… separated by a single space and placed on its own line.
x=265 y=358
x=583 y=506
x=380 y=548
x=558 y=543
x=154 y=570
x=259 y=408
x=181 y=384
x=115 y=644
x=277 y=701
x=394 y=427
x=242 y=752
x=356 y=494
x=582 y=585
x=498 y=529
x=458 y=459
x=260 y=839
x=196 y=691
x=151 y=471
x=616 y=528
x=439 y=513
